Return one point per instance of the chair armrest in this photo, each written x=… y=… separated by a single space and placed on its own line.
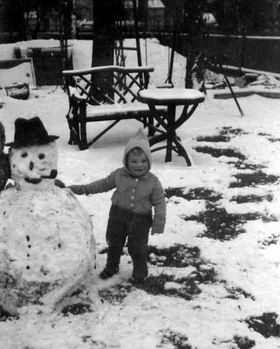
x=107 y=68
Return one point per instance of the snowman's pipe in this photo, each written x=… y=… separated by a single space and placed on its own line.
x=52 y=174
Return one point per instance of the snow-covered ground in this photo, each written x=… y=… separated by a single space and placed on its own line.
x=224 y=286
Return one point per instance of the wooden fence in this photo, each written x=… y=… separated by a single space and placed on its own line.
x=252 y=52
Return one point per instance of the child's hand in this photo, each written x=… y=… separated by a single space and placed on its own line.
x=59 y=183
x=76 y=189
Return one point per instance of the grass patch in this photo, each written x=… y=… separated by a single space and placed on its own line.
x=115 y=295
x=94 y=343
x=236 y=292
x=271 y=240
x=218 y=152
x=178 y=256
x=216 y=138
x=240 y=199
x=274 y=140
x=242 y=165
x=269 y=137
x=244 y=342
x=253 y=179
x=76 y=309
x=5 y=315
x=225 y=134
x=228 y=130
x=29 y=293
x=155 y=285
x=221 y=225
x=265 y=324
x=201 y=193
x=176 y=339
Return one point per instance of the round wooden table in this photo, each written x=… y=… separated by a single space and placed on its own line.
x=167 y=126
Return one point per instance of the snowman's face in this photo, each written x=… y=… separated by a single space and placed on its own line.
x=33 y=164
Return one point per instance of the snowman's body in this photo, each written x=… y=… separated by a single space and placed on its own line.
x=46 y=236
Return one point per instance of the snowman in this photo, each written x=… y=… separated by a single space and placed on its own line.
x=47 y=247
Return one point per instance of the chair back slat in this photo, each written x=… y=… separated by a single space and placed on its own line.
x=108 y=84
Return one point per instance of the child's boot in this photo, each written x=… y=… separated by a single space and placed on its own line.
x=137 y=281
x=106 y=273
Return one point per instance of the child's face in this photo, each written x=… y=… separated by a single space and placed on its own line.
x=137 y=164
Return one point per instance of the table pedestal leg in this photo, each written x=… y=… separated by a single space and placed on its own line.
x=170 y=131
x=183 y=152
x=172 y=140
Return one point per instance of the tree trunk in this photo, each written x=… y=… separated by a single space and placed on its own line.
x=104 y=14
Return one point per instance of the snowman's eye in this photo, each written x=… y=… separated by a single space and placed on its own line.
x=41 y=156
x=24 y=155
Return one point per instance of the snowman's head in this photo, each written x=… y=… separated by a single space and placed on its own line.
x=34 y=165
x=33 y=154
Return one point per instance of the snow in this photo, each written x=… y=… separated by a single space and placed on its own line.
x=19 y=74
x=247 y=267
x=165 y=96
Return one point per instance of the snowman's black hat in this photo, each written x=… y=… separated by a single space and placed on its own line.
x=30 y=132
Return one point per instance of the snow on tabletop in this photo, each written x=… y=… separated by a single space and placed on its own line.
x=168 y=95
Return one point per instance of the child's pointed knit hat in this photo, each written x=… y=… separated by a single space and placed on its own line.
x=141 y=141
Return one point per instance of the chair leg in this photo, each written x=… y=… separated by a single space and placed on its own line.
x=73 y=124
x=74 y=132
x=83 y=136
x=71 y=135
x=71 y=131
x=151 y=130
x=83 y=144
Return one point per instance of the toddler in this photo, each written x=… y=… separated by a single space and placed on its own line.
x=138 y=191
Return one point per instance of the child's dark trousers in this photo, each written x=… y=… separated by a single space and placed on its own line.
x=126 y=225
